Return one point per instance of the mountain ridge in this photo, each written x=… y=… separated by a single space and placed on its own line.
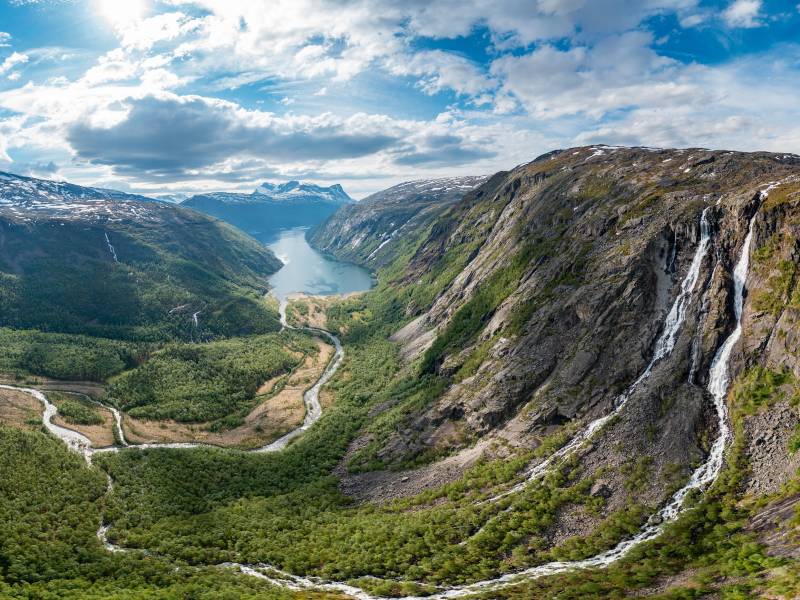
x=271 y=208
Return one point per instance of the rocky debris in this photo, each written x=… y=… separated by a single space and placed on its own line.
x=608 y=238
x=600 y=489
x=775 y=529
x=414 y=339
x=384 y=486
x=767 y=434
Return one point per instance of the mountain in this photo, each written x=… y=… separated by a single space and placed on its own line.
x=361 y=232
x=584 y=371
x=173 y=198
x=272 y=207
x=294 y=191
x=538 y=300
x=31 y=195
x=100 y=262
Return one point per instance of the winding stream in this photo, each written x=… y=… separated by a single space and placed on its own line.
x=704 y=475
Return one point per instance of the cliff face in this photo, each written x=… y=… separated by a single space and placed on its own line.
x=554 y=284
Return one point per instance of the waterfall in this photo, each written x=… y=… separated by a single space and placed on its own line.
x=704 y=475
x=111 y=248
x=664 y=345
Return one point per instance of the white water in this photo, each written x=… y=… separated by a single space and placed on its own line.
x=111 y=249
x=703 y=476
x=74 y=440
x=664 y=345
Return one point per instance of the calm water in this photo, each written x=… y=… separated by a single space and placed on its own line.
x=306 y=270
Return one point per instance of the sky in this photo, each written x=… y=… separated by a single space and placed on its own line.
x=183 y=96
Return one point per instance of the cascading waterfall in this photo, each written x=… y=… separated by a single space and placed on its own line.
x=704 y=475
x=664 y=345
x=111 y=249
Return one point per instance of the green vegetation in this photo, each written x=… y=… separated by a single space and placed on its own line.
x=779 y=289
x=76 y=410
x=63 y=356
x=760 y=387
x=49 y=509
x=62 y=279
x=204 y=382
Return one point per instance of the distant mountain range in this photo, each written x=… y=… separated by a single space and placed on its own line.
x=273 y=207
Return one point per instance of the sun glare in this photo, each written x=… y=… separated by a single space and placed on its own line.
x=121 y=12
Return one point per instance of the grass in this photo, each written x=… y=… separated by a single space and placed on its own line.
x=61 y=279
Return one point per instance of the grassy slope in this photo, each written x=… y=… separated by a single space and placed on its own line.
x=68 y=311
x=59 y=276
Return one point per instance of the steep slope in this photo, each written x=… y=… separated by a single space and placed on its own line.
x=362 y=232
x=20 y=194
x=272 y=207
x=81 y=260
x=537 y=299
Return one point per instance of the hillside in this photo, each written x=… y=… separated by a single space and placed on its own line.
x=537 y=299
x=361 y=232
x=273 y=207
x=75 y=260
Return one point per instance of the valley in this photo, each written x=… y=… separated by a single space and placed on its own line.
x=574 y=379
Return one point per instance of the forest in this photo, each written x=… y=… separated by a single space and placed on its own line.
x=205 y=382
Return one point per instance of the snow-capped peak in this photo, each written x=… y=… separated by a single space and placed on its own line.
x=295 y=189
x=26 y=198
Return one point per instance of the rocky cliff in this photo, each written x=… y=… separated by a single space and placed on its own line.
x=546 y=291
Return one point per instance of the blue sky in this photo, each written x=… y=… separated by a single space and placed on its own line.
x=190 y=95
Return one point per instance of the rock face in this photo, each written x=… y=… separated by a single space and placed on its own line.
x=272 y=207
x=372 y=231
x=538 y=296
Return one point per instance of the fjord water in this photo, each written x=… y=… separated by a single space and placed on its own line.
x=309 y=271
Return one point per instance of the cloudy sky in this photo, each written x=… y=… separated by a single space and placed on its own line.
x=186 y=95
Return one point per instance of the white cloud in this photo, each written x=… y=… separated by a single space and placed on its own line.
x=693 y=20
x=617 y=72
x=438 y=70
x=12 y=61
x=5 y=39
x=580 y=71
x=745 y=111
x=743 y=13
